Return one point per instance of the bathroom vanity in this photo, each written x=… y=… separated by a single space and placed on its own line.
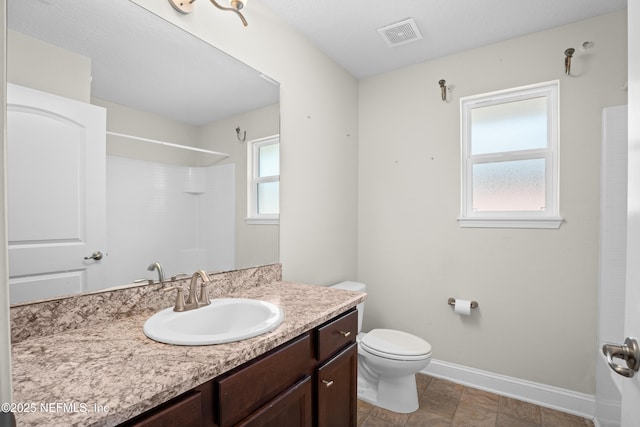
x=312 y=377
x=84 y=372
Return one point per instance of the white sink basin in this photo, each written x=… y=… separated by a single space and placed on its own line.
x=225 y=320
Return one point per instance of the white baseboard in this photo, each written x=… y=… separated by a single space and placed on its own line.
x=581 y=404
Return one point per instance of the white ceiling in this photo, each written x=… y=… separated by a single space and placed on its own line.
x=346 y=29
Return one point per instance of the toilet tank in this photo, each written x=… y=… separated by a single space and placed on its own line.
x=358 y=287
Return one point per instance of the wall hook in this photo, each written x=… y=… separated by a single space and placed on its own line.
x=568 y=54
x=443 y=89
x=244 y=135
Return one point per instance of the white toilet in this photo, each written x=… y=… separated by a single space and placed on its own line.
x=387 y=363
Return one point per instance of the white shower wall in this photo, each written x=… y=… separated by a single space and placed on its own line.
x=179 y=216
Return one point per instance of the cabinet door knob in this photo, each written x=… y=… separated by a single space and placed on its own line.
x=345 y=334
x=327 y=383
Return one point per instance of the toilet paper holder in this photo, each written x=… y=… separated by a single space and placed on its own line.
x=452 y=302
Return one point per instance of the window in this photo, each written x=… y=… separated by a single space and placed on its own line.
x=510 y=158
x=263 y=193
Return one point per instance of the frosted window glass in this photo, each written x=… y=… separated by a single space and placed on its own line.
x=269 y=160
x=268 y=198
x=509 y=186
x=509 y=126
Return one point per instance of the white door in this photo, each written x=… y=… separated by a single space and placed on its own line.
x=631 y=387
x=56 y=194
x=613 y=263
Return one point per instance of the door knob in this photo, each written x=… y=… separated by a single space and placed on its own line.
x=96 y=256
x=629 y=351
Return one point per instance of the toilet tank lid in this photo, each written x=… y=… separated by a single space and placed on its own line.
x=350 y=286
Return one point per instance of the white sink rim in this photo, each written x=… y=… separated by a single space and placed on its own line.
x=165 y=325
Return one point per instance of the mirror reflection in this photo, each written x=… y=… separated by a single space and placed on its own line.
x=123 y=150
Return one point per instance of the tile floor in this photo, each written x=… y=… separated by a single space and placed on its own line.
x=443 y=403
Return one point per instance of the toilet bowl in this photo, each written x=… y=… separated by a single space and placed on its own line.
x=387 y=363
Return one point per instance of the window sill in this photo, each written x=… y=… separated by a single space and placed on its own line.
x=549 y=223
x=262 y=221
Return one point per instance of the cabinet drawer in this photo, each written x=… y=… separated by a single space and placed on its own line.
x=243 y=391
x=337 y=334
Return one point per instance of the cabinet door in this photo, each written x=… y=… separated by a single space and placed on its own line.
x=185 y=411
x=242 y=392
x=336 y=389
x=292 y=409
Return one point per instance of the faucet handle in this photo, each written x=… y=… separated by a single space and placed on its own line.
x=179 y=276
x=204 y=293
x=179 y=297
x=149 y=281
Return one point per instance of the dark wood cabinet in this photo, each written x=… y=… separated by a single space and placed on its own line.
x=337 y=371
x=309 y=381
x=336 y=388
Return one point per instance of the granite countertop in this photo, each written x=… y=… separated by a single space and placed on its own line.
x=105 y=374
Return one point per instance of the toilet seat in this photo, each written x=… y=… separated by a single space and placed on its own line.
x=396 y=345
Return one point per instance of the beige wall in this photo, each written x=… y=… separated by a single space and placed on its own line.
x=537 y=289
x=318 y=107
x=42 y=66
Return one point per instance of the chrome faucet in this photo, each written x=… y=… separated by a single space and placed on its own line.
x=193 y=301
x=157 y=266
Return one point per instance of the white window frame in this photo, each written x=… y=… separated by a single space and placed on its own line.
x=253 y=180
x=549 y=217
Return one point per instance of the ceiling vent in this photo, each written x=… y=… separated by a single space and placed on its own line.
x=400 y=33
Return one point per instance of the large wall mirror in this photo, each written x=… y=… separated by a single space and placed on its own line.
x=169 y=184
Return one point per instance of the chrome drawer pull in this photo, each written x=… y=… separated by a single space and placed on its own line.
x=327 y=383
x=345 y=334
